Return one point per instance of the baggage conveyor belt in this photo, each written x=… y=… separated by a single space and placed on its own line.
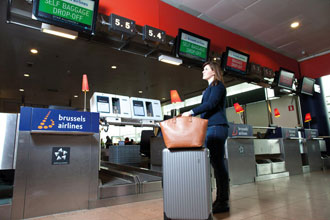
x=121 y=180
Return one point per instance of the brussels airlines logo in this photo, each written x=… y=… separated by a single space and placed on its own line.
x=63 y=122
x=235 y=131
x=45 y=123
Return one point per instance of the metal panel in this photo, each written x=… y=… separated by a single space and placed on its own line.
x=323 y=147
x=5 y=211
x=292 y=156
x=7 y=140
x=156 y=147
x=266 y=146
x=187 y=187
x=55 y=188
x=314 y=155
x=241 y=161
x=261 y=146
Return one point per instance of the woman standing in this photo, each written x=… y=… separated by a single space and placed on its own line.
x=213 y=108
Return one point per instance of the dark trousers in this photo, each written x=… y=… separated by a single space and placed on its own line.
x=215 y=141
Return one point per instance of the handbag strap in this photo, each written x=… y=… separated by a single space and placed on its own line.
x=175 y=117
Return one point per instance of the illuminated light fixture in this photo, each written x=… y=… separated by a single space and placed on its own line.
x=75 y=96
x=276 y=113
x=294 y=24
x=21 y=90
x=170 y=60
x=26 y=75
x=238 y=108
x=140 y=91
x=114 y=67
x=61 y=32
x=163 y=98
x=175 y=96
x=84 y=88
x=34 y=51
x=308 y=117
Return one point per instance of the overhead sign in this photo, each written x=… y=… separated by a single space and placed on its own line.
x=122 y=24
x=153 y=34
x=236 y=60
x=79 y=15
x=40 y=120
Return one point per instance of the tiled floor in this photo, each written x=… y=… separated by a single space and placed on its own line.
x=297 y=197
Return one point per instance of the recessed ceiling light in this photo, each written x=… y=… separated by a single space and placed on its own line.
x=21 y=90
x=140 y=91
x=34 y=51
x=113 y=67
x=294 y=24
x=75 y=96
x=26 y=75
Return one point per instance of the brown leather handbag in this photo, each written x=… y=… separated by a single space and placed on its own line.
x=184 y=132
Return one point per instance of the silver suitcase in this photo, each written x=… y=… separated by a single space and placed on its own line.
x=187 y=184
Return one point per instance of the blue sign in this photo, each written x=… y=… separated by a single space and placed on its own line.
x=311 y=133
x=239 y=130
x=285 y=133
x=40 y=120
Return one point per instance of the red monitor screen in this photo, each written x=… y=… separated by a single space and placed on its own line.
x=285 y=79
x=307 y=86
x=236 y=61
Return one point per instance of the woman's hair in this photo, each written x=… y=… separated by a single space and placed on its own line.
x=218 y=72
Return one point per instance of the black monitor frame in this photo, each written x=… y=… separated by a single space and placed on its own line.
x=301 y=86
x=231 y=69
x=65 y=23
x=191 y=58
x=278 y=77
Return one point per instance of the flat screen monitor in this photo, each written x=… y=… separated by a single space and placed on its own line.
x=138 y=108
x=76 y=15
x=285 y=79
x=103 y=104
x=307 y=86
x=236 y=61
x=192 y=46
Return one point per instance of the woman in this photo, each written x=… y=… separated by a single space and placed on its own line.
x=213 y=108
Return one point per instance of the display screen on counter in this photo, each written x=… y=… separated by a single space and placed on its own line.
x=236 y=61
x=77 y=15
x=192 y=46
x=307 y=86
x=138 y=108
x=103 y=104
x=286 y=79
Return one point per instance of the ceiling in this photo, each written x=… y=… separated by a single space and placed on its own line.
x=56 y=71
x=267 y=22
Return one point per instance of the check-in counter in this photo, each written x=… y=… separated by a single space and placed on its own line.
x=324 y=156
x=290 y=148
x=240 y=154
x=57 y=162
x=312 y=149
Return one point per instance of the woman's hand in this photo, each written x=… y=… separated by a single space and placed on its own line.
x=186 y=114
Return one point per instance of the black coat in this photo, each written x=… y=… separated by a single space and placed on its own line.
x=213 y=106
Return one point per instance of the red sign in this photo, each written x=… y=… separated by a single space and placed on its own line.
x=235 y=63
x=291 y=108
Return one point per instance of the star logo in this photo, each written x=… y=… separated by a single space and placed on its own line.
x=61 y=154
